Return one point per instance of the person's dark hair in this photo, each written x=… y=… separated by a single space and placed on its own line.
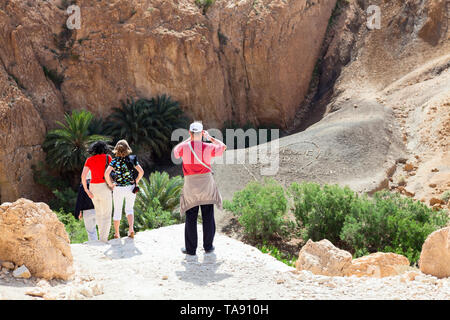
x=98 y=147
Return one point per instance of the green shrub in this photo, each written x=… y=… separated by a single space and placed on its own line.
x=277 y=254
x=260 y=208
x=204 y=4
x=54 y=76
x=160 y=186
x=153 y=216
x=156 y=203
x=321 y=212
x=446 y=196
x=390 y=223
x=74 y=227
x=64 y=200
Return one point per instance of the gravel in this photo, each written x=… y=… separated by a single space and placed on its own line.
x=152 y=267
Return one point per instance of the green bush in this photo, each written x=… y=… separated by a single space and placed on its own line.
x=388 y=222
x=277 y=254
x=153 y=216
x=74 y=227
x=64 y=200
x=321 y=212
x=204 y=4
x=156 y=203
x=260 y=208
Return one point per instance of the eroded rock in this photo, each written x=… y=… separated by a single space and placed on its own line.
x=32 y=235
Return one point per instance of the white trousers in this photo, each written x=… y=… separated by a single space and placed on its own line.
x=119 y=195
x=90 y=224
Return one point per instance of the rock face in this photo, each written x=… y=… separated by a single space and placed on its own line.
x=32 y=235
x=241 y=61
x=323 y=258
x=435 y=255
x=377 y=265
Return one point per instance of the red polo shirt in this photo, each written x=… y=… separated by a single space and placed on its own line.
x=205 y=152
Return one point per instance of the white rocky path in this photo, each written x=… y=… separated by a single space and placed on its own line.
x=152 y=267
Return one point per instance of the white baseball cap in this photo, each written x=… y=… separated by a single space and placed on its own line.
x=196 y=127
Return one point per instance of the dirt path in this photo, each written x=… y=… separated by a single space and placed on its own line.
x=152 y=267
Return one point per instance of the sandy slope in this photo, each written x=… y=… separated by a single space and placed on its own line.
x=152 y=267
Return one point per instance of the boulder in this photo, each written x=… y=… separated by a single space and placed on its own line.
x=378 y=265
x=8 y=265
x=323 y=258
x=435 y=256
x=32 y=235
x=22 y=272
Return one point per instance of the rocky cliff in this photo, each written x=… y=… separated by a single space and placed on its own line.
x=238 y=60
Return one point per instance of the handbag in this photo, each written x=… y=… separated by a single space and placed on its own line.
x=196 y=157
x=131 y=162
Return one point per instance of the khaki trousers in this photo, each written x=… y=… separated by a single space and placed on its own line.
x=103 y=208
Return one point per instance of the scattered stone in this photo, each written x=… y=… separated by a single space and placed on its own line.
x=435 y=255
x=435 y=170
x=43 y=283
x=409 y=276
x=97 y=289
x=432 y=185
x=409 y=193
x=409 y=167
x=36 y=292
x=165 y=277
x=22 y=272
x=280 y=281
x=87 y=292
x=323 y=258
x=8 y=265
x=434 y=201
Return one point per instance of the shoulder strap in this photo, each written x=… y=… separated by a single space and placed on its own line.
x=196 y=157
x=107 y=161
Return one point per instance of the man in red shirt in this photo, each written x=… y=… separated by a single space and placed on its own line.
x=199 y=188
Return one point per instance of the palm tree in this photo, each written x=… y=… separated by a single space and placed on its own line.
x=66 y=147
x=146 y=123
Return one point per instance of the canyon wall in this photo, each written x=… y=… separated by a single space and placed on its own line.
x=238 y=60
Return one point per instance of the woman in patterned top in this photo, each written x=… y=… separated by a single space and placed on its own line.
x=123 y=185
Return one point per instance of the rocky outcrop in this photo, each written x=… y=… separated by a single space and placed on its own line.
x=32 y=235
x=378 y=265
x=323 y=258
x=242 y=61
x=435 y=255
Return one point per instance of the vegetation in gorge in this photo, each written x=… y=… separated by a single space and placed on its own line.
x=386 y=222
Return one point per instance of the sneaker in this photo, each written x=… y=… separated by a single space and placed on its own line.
x=183 y=250
x=210 y=250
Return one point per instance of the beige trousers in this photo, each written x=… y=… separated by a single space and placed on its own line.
x=103 y=208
